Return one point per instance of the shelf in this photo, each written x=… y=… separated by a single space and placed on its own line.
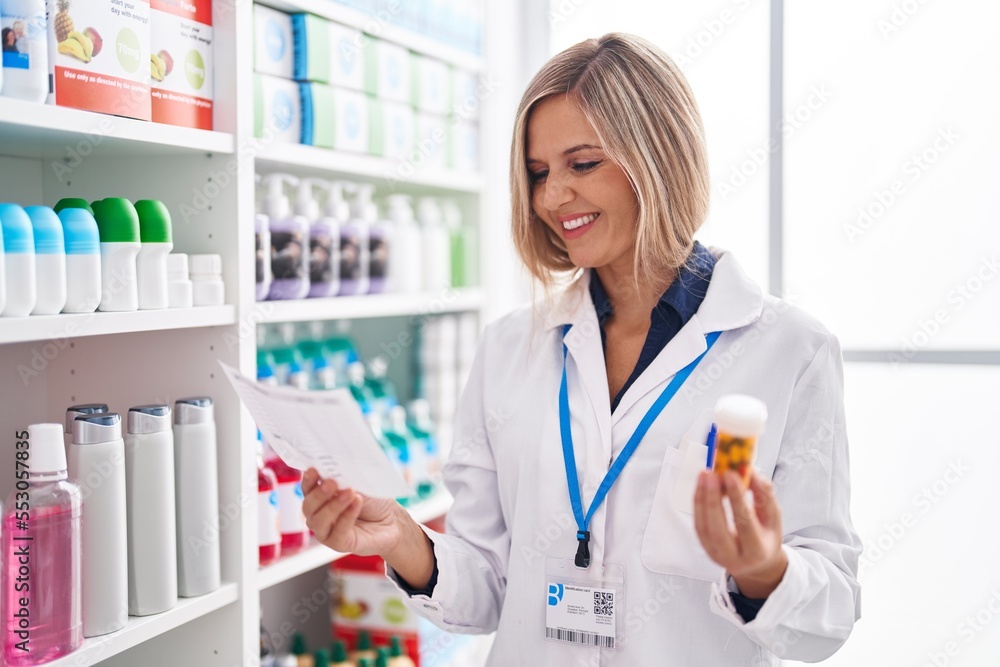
x=318 y=555
x=77 y=325
x=371 y=305
x=372 y=25
x=141 y=628
x=377 y=170
x=42 y=130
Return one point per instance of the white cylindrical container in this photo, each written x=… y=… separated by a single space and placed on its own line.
x=435 y=245
x=118 y=224
x=152 y=524
x=50 y=260
x=19 y=260
x=83 y=260
x=156 y=235
x=180 y=291
x=97 y=464
x=197 y=497
x=407 y=270
x=25 y=50
x=206 y=277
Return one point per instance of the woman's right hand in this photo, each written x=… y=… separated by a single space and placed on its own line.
x=349 y=522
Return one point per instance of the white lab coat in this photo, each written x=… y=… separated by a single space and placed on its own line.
x=512 y=507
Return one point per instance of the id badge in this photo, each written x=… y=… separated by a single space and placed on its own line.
x=585 y=606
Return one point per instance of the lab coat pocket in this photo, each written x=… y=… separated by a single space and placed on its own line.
x=670 y=544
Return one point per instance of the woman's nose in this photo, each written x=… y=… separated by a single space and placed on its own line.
x=556 y=193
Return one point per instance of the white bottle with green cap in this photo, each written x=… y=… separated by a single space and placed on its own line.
x=50 y=260
x=83 y=256
x=156 y=237
x=19 y=260
x=118 y=225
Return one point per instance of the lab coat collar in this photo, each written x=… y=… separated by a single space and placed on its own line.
x=733 y=301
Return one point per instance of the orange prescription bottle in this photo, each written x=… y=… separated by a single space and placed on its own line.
x=739 y=421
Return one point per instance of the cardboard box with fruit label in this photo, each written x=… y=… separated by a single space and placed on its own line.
x=181 y=62
x=99 y=55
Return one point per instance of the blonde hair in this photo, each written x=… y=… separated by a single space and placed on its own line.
x=647 y=120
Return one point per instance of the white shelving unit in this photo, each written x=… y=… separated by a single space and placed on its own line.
x=206 y=179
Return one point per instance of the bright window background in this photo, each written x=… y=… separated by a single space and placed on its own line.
x=864 y=104
x=722 y=48
x=917 y=105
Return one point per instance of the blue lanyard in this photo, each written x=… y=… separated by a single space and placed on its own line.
x=569 y=458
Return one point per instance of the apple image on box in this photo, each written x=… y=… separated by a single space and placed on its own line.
x=95 y=37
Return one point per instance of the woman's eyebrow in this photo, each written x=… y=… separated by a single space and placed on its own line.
x=570 y=151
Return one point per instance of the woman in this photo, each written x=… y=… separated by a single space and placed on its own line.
x=609 y=185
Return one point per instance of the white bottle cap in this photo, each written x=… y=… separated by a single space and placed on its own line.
x=195 y=410
x=97 y=429
x=177 y=266
x=206 y=265
x=144 y=419
x=46 y=451
x=75 y=411
x=740 y=415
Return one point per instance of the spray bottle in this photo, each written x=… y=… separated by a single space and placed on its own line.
x=407 y=260
x=289 y=241
x=262 y=241
x=354 y=248
x=324 y=240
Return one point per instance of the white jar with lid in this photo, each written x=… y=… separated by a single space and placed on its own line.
x=180 y=293
x=206 y=277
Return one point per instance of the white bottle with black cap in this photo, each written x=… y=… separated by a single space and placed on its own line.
x=197 y=497
x=97 y=464
x=151 y=515
x=74 y=411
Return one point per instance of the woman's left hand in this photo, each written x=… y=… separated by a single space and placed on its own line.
x=752 y=554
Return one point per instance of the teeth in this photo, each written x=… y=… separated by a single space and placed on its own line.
x=580 y=222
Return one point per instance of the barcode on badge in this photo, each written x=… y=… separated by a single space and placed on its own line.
x=585 y=638
x=604 y=604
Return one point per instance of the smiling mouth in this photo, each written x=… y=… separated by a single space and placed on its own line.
x=576 y=223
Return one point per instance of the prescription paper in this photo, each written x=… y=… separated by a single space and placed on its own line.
x=320 y=429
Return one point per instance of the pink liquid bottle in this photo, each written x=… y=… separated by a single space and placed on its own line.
x=42 y=608
x=294 y=533
x=268 y=537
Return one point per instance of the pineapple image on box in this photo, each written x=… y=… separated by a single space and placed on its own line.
x=64 y=22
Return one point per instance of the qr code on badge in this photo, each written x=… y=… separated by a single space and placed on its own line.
x=604 y=604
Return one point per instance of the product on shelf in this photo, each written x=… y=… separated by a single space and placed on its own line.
x=347 y=56
x=398 y=656
x=83 y=260
x=324 y=237
x=156 y=238
x=206 y=280
x=389 y=71
x=338 y=654
x=75 y=411
x=363 y=647
x=85 y=74
x=181 y=62
x=25 y=50
x=381 y=244
x=354 y=244
x=51 y=605
x=97 y=465
x=463 y=146
x=351 y=121
x=180 y=289
x=72 y=202
x=321 y=658
x=289 y=241
x=292 y=521
x=431 y=84
x=19 y=261
x=435 y=245
x=269 y=546
x=50 y=260
x=197 y=497
x=393 y=129
x=431 y=136
x=464 y=246
x=150 y=510
x=406 y=270
x=318 y=104
x=312 y=48
x=118 y=225
x=303 y=658
x=277 y=109
x=274 y=51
